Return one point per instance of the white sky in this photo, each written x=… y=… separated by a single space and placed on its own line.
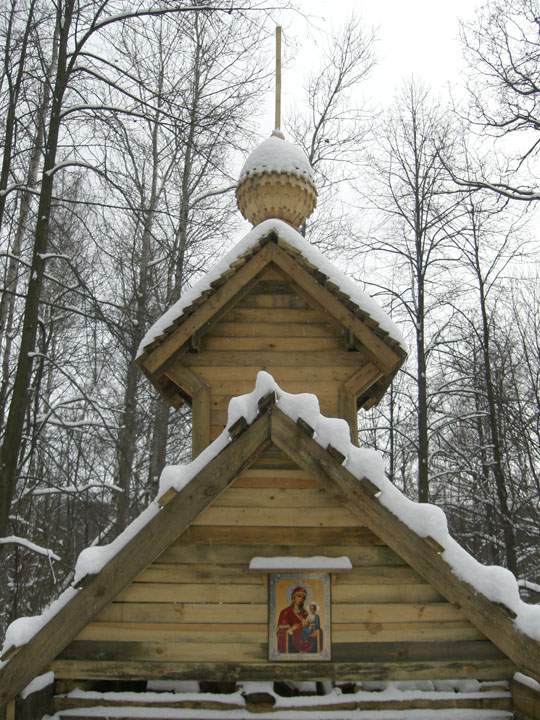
x=419 y=37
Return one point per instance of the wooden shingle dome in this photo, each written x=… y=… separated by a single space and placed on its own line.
x=276 y=182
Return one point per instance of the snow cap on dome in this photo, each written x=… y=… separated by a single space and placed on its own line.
x=275 y=154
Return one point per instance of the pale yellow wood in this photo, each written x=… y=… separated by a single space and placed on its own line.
x=253 y=472
x=281 y=373
x=272 y=343
x=260 y=299
x=404 y=632
x=288 y=517
x=183 y=613
x=258 y=632
x=10 y=710
x=258 y=359
x=176 y=632
x=236 y=554
x=279 y=315
x=349 y=593
x=257 y=613
x=200 y=652
x=276 y=481
x=276 y=497
x=395 y=612
x=226 y=386
x=167 y=573
x=310 y=537
x=270 y=329
x=193 y=593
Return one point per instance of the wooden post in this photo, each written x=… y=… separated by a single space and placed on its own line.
x=277 y=121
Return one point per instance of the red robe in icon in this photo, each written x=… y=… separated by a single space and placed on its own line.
x=295 y=643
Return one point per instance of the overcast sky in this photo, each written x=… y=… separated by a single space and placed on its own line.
x=419 y=37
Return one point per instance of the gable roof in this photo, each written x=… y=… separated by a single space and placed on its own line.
x=488 y=596
x=304 y=264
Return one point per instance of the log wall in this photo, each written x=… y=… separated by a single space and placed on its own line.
x=199 y=604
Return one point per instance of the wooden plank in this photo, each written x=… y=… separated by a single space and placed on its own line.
x=176 y=632
x=485 y=615
x=380 y=353
x=525 y=699
x=281 y=373
x=257 y=632
x=279 y=315
x=281 y=480
x=252 y=613
x=10 y=710
x=256 y=535
x=341 y=652
x=164 y=651
x=276 y=517
x=237 y=554
x=395 y=612
x=258 y=359
x=224 y=386
x=261 y=298
x=385 y=593
x=415 y=651
x=206 y=311
x=160 y=531
x=125 y=669
x=276 y=497
x=193 y=593
x=230 y=574
x=272 y=329
x=412 y=631
x=279 y=344
x=183 y=613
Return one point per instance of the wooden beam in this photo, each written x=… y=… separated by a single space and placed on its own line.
x=380 y=353
x=420 y=555
x=155 y=537
x=193 y=385
x=526 y=700
x=206 y=311
x=233 y=671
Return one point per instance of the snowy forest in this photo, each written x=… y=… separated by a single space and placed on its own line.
x=123 y=126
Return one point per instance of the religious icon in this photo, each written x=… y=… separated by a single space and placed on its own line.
x=299 y=617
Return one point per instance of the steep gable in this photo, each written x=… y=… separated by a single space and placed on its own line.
x=213 y=512
x=273 y=301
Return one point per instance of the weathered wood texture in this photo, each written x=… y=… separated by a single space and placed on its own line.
x=276 y=327
x=488 y=617
x=146 y=546
x=198 y=602
x=526 y=701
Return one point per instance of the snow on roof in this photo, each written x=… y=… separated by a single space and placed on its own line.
x=496 y=583
x=293 y=238
x=275 y=154
x=289 y=562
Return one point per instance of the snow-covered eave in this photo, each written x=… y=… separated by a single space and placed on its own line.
x=427 y=521
x=173 y=316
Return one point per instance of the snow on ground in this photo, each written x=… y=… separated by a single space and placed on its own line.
x=240 y=714
x=315 y=562
x=293 y=238
x=496 y=583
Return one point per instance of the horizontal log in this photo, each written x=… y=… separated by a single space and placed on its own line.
x=233 y=671
x=236 y=554
x=253 y=535
x=277 y=517
x=378 y=613
x=341 y=652
x=225 y=328
x=277 y=344
x=258 y=632
x=235 y=497
x=193 y=593
x=277 y=358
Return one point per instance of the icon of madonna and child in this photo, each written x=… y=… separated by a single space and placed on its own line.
x=299 y=618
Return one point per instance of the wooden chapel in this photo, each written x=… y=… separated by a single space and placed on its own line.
x=275 y=493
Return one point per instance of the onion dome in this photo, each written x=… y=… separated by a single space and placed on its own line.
x=276 y=181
